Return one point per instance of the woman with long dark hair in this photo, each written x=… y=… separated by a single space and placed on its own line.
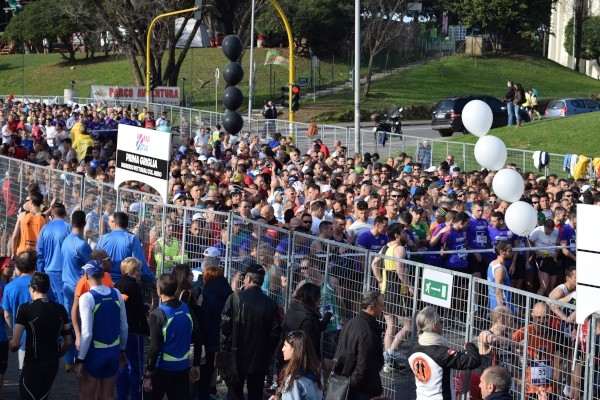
x=301 y=376
x=215 y=293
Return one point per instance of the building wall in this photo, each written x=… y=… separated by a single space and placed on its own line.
x=556 y=51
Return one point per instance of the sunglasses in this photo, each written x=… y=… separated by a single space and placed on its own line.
x=292 y=334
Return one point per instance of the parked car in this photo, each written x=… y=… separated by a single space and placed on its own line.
x=447 y=114
x=566 y=107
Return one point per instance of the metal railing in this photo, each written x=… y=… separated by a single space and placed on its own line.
x=523 y=344
x=187 y=121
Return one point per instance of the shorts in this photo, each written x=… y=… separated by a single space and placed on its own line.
x=396 y=298
x=548 y=265
x=102 y=363
x=477 y=266
x=520 y=268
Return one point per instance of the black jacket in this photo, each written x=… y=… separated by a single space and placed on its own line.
x=215 y=295
x=432 y=364
x=259 y=330
x=301 y=317
x=510 y=95
x=499 y=396
x=359 y=354
x=134 y=305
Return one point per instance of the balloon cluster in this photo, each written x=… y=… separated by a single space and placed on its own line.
x=490 y=153
x=233 y=74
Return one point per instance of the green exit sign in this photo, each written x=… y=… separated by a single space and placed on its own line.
x=435 y=289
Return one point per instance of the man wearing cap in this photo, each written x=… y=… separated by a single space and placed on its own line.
x=258 y=330
x=104 y=334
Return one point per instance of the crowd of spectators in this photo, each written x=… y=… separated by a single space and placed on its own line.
x=439 y=214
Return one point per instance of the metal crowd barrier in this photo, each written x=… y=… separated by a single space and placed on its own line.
x=187 y=121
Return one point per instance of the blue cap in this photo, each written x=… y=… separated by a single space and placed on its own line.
x=94 y=268
x=407 y=169
x=94 y=164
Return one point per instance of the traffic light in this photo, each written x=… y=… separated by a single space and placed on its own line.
x=285 y=96
x=295 y=97
x=153 y=82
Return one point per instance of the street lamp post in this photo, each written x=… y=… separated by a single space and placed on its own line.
x=356 y=76
x=149 y=37
x=183 y=103
x=288 y=29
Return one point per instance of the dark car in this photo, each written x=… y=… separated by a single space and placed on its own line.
x=447 y=114
x=566 y=107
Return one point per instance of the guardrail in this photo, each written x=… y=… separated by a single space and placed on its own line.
x=428 y=151
x=347 y=269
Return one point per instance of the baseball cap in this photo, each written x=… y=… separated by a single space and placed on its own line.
x=94 y=164
x=212 y=252
x=202 y=158
x=278 y=190
x=178 y=196
x=255 y=269
x=235 y=191
x=433 y=168
x=407 y=169
x=211 y=160
x=197 y=216
x=326 y=188
x=306 y=169
x=436 y=185
x=359 y=170
x=293 y=179
x=584 y=188
x=298 y=185
x=93 y=268
x=447 y=178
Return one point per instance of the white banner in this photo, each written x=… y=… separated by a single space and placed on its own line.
x=437 y=287
x=134 y=94
x=143 y=155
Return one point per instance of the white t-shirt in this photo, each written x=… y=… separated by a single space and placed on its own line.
x=539 y=238
x=50 y=135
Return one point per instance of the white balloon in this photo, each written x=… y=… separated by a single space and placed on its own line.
x=508 y=185
x=477 y=117
x=490 y=152
x=521 y=218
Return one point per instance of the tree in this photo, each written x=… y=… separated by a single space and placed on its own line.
x=43 y=19
x=320 y=25
x=505 y=20
x=382 y=25
x=590 y=39
x=127 y=23
x=573 y=44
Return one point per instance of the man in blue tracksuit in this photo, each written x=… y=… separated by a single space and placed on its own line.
x=76 y=253
x=172 y=328
x=120 y=244
x=50 y=240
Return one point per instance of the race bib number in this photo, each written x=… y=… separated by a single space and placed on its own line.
x=481 y=239
x=541 y=372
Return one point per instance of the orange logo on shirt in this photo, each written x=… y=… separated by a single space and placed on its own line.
x=421 y=369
